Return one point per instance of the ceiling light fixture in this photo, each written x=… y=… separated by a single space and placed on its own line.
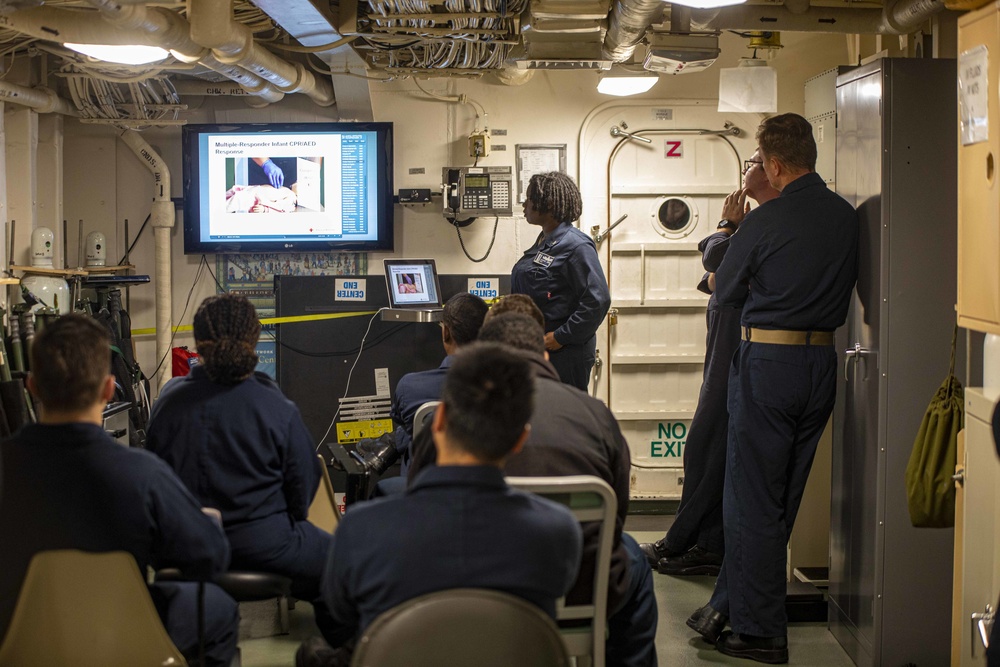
x=622 y=82
x=707 y=4
x=123 y=54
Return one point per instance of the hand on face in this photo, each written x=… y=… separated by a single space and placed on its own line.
x=735 y=206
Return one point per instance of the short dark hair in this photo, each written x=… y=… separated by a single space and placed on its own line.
x=554 y=192
x=226 y=330
x=70 y=359
x=789 y=138
x=464 y=314
x=515 y=330
x=517 y=303
x=488 y=396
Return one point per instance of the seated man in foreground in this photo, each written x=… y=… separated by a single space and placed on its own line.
x=459 y=525
x=68 y=485
x=573 y=433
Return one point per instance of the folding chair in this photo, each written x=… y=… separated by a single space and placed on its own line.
x=323 y=512
x=420 y=419
x=464 y=626
x=86 y=610
x=590 y=499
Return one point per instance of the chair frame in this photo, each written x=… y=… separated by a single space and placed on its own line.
x=421 y=415
x=32 y=636
x=419 y=609
x=325 y=499
x=582 y=642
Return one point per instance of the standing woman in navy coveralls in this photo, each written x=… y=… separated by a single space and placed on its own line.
x=241 y=447
x=562 y=275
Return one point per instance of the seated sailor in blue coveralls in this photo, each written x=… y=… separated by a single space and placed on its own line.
x=462 y=317
x=70 y=486
x=241 y=447
x=458 y=525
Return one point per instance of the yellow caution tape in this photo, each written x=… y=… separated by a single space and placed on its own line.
x=150 y=331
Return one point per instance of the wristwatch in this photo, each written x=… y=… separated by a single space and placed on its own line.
x=727 y=224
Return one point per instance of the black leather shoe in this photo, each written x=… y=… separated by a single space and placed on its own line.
x=656 y=551
x=708 y=623
x=694 y=561
x=771 y=650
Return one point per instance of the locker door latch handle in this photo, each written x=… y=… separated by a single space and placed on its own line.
x=982 y=624
x=855 y=354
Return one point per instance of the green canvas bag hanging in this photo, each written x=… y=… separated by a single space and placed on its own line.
x=930 y=489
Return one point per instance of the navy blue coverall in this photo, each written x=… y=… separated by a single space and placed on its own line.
x=792 y=265
x=455 y=527
x=699 y=515
x=563 y=276
x=70 y=486
x=573 y=433
x=412 y=391
x=244 y=450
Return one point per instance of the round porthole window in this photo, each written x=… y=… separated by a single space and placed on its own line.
x=674 y=217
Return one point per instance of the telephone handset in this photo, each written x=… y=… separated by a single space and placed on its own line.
x=477 y=191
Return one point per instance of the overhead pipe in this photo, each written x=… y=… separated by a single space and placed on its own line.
x=152 y=26
x=41 y=100
x=900 y=18
x=171 y=31
x=213 y=26
x=162 y=219
x=627 y=26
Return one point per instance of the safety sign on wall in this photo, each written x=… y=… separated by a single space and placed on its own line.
x=349 y=290
x=485 y=288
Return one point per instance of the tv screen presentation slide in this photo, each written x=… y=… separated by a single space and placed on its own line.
x=288 y=186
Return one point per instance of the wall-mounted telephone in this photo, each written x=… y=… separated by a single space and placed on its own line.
x=477 y=191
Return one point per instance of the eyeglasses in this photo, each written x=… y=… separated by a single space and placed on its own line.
x=748 y=164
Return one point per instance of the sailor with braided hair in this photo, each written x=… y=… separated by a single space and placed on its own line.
x=241 y=447
x=563 y=276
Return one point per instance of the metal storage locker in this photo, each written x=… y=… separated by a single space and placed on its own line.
x=890 y=583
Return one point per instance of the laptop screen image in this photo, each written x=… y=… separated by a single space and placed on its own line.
x=412 y=283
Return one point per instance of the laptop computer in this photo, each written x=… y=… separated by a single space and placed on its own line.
x=414 y=290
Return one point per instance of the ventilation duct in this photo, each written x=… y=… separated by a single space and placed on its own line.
x=899 y=18
x=628 y=23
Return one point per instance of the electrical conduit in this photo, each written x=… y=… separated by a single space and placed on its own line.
x=162 y=220
x=41 y=100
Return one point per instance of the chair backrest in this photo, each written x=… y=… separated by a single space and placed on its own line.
x=464 y=626
x=86 y=610
x=591 y=499
x=420 y=420
x=323 y=512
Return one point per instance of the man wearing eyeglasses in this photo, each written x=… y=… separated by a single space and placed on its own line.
x=695 y=544
x=792 y=269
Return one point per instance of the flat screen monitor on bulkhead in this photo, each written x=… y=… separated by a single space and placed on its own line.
x=287 y=187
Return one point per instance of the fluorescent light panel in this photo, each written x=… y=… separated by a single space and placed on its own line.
x=124 y=54
x=707 y=4
x=626 y=85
